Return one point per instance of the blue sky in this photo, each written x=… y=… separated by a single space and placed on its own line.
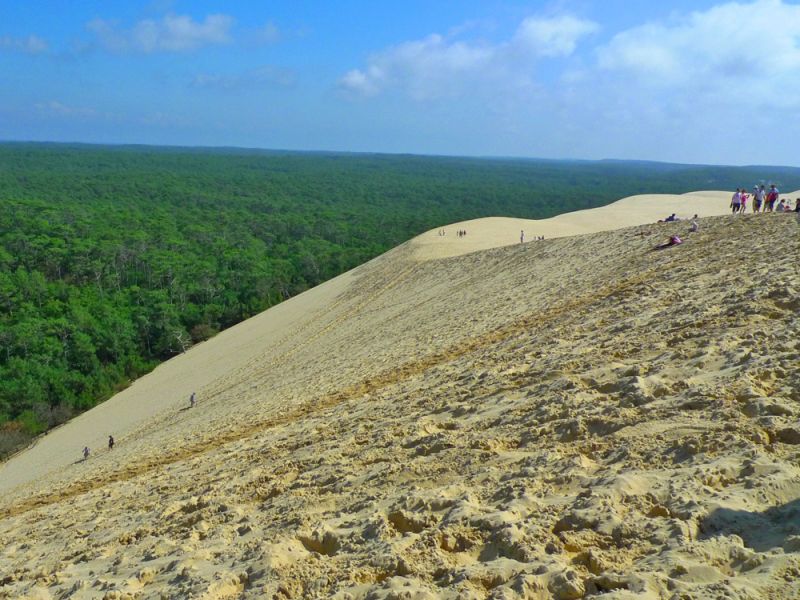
x=680 y=81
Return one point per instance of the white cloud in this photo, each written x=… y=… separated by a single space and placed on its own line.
x=552 y=37
x=359 y=82
x=31 y=44
x=267 y=76
x=171 y=33
x=693 y=87
x=438 y=66
x=740 y=50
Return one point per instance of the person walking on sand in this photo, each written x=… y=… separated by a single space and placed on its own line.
x=758 y=198
x=522 y=237
x=111 y=442
x=736 y=201
x=86 y=453
x=192 y=400
x=772 y=198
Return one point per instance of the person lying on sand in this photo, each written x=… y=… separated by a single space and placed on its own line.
x=673 y=240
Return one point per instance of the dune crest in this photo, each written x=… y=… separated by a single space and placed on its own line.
x=579 y=417
x=494 y=232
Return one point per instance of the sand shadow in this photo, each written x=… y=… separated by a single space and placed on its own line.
x=776 y=527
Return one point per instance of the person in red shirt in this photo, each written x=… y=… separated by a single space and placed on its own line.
x=772 y=197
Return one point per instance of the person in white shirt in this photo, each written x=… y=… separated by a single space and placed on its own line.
x=736 y=201
x=758 y=198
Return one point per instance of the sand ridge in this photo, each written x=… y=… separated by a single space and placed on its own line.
x=571 y=418
x=483 y=234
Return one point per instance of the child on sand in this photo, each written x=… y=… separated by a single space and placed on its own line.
x=86 y=453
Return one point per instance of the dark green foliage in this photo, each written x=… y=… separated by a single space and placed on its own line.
x=115 y=258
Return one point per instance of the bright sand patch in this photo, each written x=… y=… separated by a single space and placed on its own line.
x=483 y=234
x=566 y=418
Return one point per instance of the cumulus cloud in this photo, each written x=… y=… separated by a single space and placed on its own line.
x=552 y=37
x=438 y=65
x=171 y=33
x=267 y=76
x=739 y=50
x=423 y=68
x=690 y=86
x=31 y=44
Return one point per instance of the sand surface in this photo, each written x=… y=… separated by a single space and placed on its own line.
x=576 y=417
x=494 y=232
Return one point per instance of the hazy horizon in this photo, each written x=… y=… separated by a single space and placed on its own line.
x=690 y=82
x=255 y=149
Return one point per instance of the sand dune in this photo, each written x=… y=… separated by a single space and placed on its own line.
x=578 y=417
x=483 y=234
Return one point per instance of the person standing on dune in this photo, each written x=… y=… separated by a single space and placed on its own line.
x=736 y=201
x=772 y=198
x=758 y=198
x=111 y=442
x=192 y=400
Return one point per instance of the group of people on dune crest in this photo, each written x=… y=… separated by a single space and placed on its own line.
x=763 y=200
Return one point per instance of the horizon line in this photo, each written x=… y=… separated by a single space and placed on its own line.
x=487 y=157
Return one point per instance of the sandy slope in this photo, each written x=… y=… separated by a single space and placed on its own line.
x=567 y=418
x=483 y=234
x=167 y=389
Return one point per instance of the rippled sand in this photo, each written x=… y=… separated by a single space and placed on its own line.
x=577 y=417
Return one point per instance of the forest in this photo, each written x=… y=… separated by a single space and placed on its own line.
x=113 y=259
